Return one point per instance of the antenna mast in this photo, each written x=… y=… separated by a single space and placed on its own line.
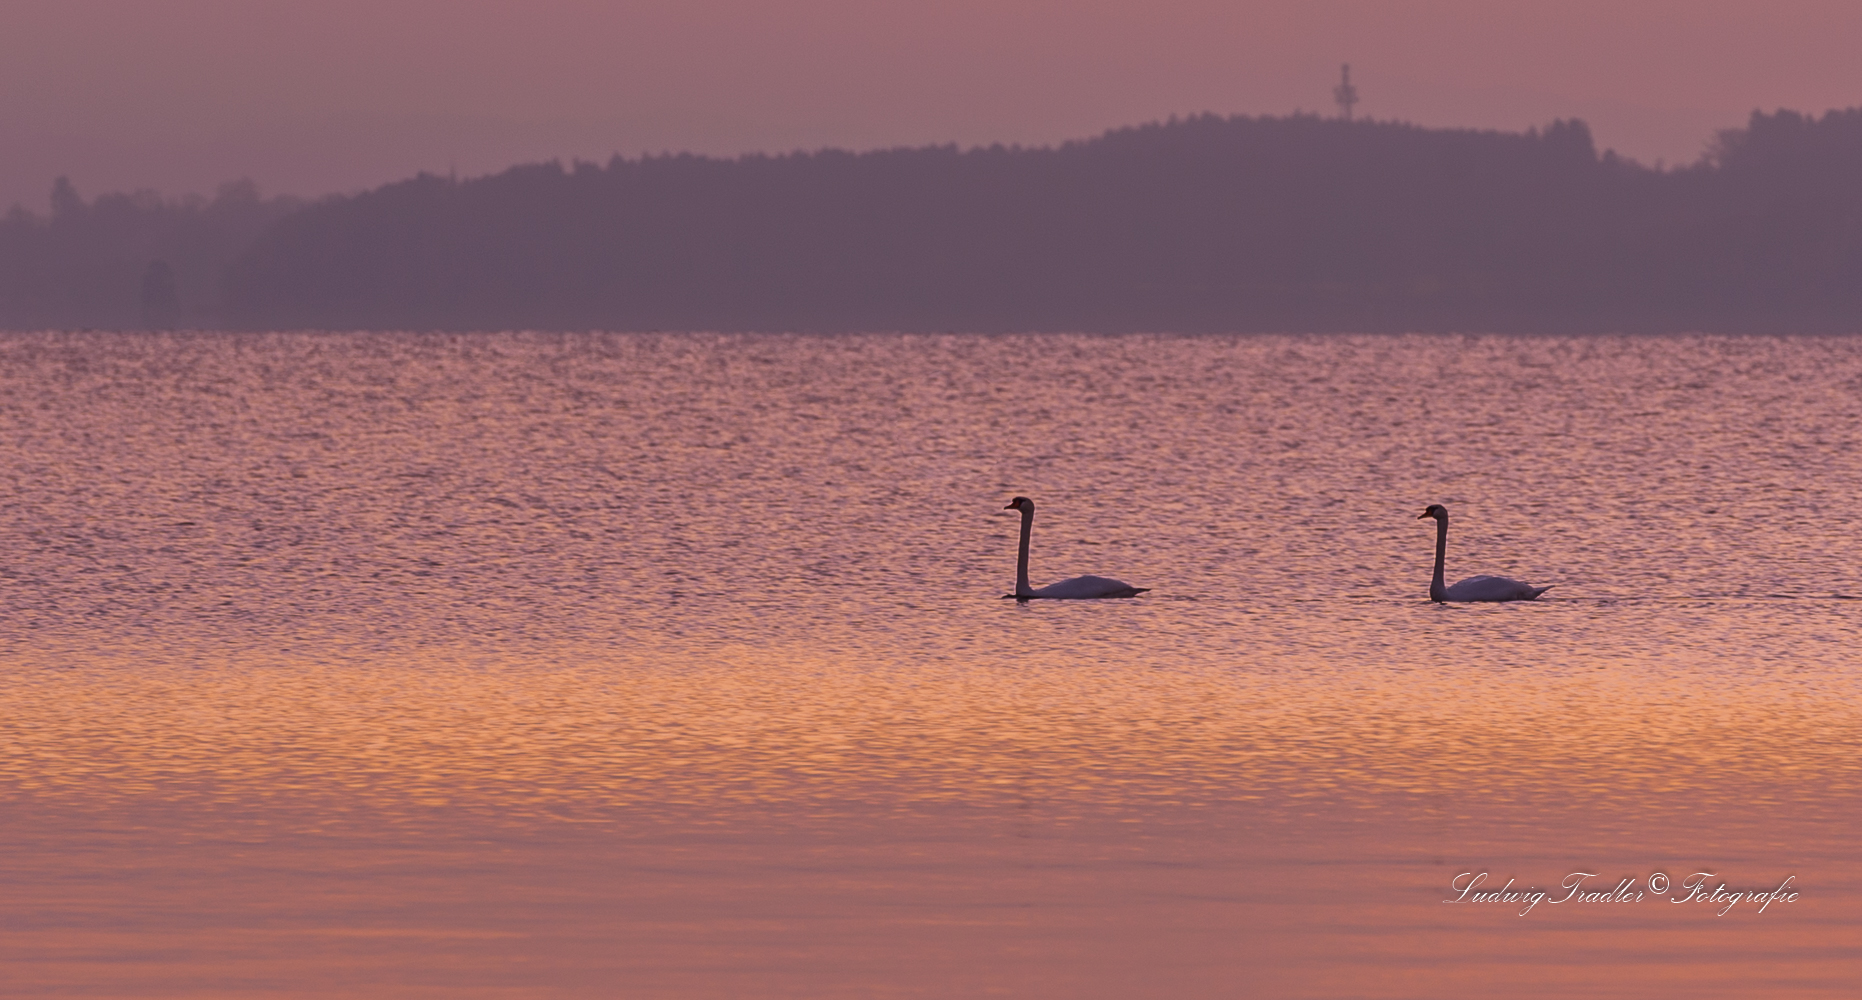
x=1345 y=94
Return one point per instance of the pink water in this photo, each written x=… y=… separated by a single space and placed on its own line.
x=384 y=665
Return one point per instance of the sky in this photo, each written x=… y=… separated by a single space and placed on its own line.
x=339 y=95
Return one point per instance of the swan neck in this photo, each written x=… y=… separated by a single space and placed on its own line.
x=1021 y=561
x=1437 y=590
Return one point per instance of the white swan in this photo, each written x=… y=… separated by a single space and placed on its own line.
x=1474 y=588
x=1080 y=588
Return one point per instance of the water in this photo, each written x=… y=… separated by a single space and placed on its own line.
x=676 y=666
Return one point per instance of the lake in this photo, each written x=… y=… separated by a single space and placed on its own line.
x=677 y=665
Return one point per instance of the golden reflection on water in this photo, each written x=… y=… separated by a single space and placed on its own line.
x=674 y=666
x=590 y=734
x=442 y=809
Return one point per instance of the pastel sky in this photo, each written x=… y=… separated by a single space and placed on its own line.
x=333 y=95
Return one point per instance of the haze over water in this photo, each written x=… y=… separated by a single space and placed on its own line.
x=676 y=666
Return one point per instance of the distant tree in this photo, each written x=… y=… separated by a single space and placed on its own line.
x=240 y=192
x=65 y=201
x=161 y=306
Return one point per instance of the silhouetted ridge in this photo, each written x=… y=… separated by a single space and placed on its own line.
x=1207 y=223
x=1296 y=223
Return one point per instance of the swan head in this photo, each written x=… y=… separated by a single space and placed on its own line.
x=1021 y=504
x=1436 y=511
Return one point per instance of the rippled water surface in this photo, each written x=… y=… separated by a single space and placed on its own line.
x=676 y=666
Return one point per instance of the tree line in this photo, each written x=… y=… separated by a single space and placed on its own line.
x=1200 y=224
x=125 y=261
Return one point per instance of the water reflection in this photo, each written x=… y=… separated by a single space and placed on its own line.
x=534 y=665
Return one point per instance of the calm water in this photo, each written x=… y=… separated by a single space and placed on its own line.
x=675 y=666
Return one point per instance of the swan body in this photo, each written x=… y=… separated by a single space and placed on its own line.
x=1489 y=588
x=1474 y=588
x=1080 y=588
x=1084 y=588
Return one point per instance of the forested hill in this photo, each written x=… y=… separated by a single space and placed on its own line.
x=1205 y=224
x=1210 y=223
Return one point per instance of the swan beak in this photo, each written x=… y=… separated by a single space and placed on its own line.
x=1422 y=516
x=1008 y=506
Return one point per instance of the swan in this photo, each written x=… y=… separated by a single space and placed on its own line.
x=1080 y=588
x=1474 y=588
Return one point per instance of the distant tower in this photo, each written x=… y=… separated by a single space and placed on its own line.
x=1345 y=94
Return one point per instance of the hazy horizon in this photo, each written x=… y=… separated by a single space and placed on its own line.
x=346 y=95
